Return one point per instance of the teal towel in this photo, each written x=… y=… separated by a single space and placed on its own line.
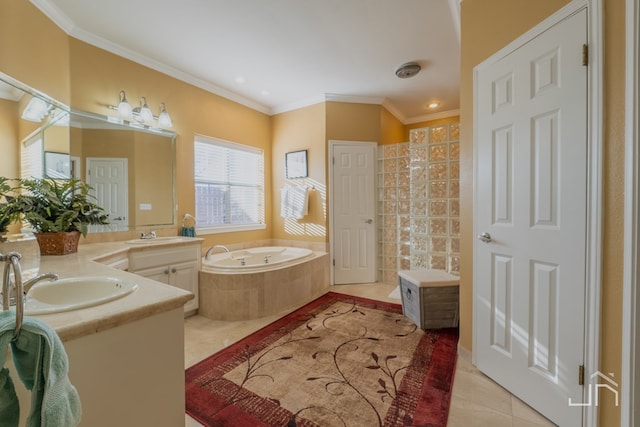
x=43 y=367
x=188 y=231
x=9 y=406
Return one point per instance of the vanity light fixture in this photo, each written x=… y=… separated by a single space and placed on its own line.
x=141 y=114
x=164 y=119
x=124 y=108
x=35 y=110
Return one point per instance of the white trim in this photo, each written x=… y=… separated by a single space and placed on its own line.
x=229 y=228
x=332 y=144
x=630 y=378
x=227 y=144
x=434 y=116
x=594 y=173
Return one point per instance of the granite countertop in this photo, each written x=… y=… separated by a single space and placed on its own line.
x=150 y=298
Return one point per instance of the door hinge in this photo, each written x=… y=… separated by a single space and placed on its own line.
x=581 y=375
x=334 y=262
x=585 y=55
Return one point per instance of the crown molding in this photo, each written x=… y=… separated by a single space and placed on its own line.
x=69 y=27
x=434 y=116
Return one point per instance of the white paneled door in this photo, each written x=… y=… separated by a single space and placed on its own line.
x=531 y=204
x=109 y=179
x=353 y=212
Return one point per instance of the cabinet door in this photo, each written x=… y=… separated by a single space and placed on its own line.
x=185 y=276
x=160 y=274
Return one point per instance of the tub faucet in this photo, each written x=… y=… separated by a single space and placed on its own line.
x=26 y=287
x=149 y=235
x=213 y=248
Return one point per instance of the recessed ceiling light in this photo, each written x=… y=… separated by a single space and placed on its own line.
x=434 y=105
x=240 y=79
x=265 y=93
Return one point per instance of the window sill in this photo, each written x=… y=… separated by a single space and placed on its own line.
x=229 y=228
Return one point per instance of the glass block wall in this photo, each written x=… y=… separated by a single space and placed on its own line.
x=418 y=202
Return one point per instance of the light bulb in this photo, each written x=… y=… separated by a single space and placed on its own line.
x=146 y=116
x=124 y=108
x=164 y=119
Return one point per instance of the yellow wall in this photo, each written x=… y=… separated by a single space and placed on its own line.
x=33 y=49
x=10 y=159
x=302 y=129
x=56 y=139
x=98 y=76
x=478 y=42
x=353 y=122
x=392 y=131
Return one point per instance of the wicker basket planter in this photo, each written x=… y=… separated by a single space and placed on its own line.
x=61 y=243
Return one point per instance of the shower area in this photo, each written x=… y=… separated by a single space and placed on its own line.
x=419 y=202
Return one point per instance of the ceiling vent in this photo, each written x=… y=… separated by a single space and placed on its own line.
x=407 y=70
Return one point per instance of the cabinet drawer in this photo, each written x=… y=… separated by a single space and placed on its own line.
x=152 y=257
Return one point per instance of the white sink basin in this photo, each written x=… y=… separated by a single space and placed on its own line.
x=156 y=240
x=75 y=293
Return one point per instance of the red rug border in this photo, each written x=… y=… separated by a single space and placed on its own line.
x=327 y=298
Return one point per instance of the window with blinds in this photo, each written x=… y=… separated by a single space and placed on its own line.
x=31 y=159
x=229 y=186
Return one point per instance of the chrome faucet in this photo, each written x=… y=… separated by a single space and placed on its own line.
x=149 y=235
x=12 y=262
x=26 y=287
x=213 y=248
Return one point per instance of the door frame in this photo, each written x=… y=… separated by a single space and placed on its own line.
x=332 y=144
x=594 y=176
x=630 y=412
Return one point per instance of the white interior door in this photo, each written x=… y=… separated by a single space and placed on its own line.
x=109 y=179
x=353 y=212
x=530 y=213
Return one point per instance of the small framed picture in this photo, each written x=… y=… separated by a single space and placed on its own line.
x=296 y=164
x=57 y=165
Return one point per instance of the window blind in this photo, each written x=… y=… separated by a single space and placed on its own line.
x=31 y=158
x=229 y=183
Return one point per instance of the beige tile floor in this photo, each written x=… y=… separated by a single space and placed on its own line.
x=476 y=400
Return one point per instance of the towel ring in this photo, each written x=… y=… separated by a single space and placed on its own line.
x=186 y=218
x=12 y=261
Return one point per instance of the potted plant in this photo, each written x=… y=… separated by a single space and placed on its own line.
x=59 y=211
x=9 y=211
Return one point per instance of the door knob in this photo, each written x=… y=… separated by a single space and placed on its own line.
x=369 y=221
x=484 y=237
x=118 y=218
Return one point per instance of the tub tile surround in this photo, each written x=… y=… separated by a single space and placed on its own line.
x=251 y=295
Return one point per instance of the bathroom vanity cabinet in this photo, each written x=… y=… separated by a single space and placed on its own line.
x=174 y=265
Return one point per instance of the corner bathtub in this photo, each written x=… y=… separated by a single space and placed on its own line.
x=240 y=285
x=256 y=259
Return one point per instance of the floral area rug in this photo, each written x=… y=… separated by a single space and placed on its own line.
x=337 y=361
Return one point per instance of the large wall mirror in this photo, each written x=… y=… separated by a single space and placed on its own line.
x=130 y=167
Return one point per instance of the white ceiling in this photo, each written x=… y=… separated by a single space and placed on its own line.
x=300 y=51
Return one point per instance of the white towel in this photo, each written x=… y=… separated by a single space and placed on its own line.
x=294 y=202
